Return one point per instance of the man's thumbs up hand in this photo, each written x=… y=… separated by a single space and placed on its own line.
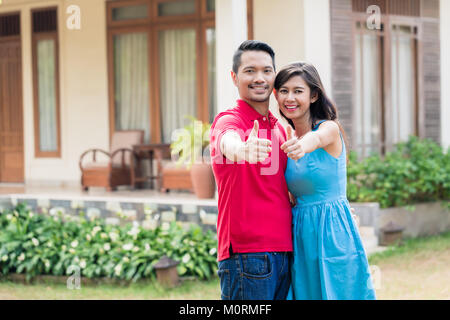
x=254 y=132
x=255 y=149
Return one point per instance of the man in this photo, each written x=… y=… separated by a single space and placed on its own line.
x=254 y=221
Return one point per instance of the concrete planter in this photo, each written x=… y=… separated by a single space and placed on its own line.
x=426 y=218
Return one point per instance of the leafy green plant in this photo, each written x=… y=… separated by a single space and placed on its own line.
x=191 y=142
x=415 y=171
x=37 y=244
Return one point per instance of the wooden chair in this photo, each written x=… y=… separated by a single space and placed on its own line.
x=118 y=169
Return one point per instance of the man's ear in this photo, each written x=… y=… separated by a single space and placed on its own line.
x=234 y=78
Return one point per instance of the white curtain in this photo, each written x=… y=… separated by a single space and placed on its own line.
x=177 y=58
x=131 y=82
x=367 y=97
x=403 y=86
x=47 y=95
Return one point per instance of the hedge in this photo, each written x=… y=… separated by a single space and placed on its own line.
x=40 y=244
x=415 y=171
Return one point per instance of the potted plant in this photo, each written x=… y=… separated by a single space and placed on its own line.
x=191 y=144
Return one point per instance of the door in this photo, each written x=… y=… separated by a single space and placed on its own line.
x=11 y=114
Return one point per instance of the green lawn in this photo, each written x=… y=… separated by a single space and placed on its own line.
x=190 y=289
x=417 y=269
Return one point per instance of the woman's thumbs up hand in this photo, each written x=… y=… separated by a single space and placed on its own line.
x=292 y=147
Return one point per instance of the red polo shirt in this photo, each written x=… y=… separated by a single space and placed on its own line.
x=254 y=209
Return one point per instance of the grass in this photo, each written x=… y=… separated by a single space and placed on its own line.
x=416 y=269
x=190 y=289
x=409 y=248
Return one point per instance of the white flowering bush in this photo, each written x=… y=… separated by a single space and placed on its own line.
x=37 y=244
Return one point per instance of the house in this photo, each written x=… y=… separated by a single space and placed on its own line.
x=72 y=72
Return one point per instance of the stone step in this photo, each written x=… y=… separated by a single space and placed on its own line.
x=368 y=238
x=367 y=231
x=369 y=242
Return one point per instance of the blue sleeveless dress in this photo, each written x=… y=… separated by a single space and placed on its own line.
x=329 y=261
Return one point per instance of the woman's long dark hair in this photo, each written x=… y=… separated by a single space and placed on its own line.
x=323 y=108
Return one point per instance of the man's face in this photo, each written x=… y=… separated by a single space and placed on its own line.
x=255 y=76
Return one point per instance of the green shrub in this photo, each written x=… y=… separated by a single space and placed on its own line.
x=37 y=244
x=415 y=171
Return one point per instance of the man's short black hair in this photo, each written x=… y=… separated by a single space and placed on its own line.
x=251 y=45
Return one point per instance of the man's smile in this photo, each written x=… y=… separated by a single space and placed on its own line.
x=259 y=88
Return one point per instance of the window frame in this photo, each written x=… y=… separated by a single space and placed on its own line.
x=201 y=21
x=419 y=115
x=204 y=11
x=250 y=25
x=176 y=18
x=385 y=143
x=204 y=67
x=111 y=80
x=381 y=55
x=111 y=5
x=35 y=37
x=200 y=89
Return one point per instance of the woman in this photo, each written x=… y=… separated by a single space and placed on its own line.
x=329 y=261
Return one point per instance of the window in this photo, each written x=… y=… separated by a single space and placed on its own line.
x=130 y=12
x=9 y=25
x=176 y=8
x=46 y=82
x=178 y=78
x=161 y=57
x=211 y=5
x=403 y=114
x=386 y=92
x=368 y=104
x=131 y=83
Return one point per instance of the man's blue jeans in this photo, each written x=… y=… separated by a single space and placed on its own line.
x=255 y=276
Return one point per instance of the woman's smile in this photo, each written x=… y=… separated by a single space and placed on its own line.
x=292 y=107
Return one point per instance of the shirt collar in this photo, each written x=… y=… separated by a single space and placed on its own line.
x=252 y=115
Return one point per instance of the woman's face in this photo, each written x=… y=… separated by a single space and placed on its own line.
x=294 y=98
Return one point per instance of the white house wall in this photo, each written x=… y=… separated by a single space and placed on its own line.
x=83 y=89
x=317 y=23
x=231 y=31
x=298 y=30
